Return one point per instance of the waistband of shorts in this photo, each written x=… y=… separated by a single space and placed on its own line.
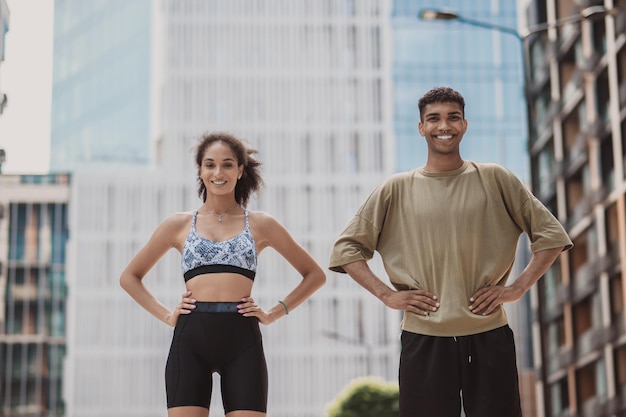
x=216 y=307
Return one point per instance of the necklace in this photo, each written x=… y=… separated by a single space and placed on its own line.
x=220 y=217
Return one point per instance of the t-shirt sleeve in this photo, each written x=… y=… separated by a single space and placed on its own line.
x=358 y=241
x=544 y=230
x=531 y=215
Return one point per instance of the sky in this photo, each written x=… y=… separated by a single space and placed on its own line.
x=26 y=78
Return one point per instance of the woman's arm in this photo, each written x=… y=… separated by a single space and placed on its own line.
x=163 y=239
x=268 y=232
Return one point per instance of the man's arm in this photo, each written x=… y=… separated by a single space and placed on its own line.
x=485 y=300
x=416 y=301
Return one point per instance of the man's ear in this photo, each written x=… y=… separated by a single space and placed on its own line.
x=419 y=128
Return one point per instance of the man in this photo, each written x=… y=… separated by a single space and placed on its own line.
x=447 y=234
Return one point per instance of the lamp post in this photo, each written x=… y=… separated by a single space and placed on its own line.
x=592 y=12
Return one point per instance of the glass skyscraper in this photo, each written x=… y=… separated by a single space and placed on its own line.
x=102 y=71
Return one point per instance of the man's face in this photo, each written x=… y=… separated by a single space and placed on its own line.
x=443 y=126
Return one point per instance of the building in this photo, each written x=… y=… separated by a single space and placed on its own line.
x=102 y=95
x=577 y=145
x=33 y=291
x=308 y=84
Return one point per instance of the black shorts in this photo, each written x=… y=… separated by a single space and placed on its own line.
x=215 y=338
x=438 y=373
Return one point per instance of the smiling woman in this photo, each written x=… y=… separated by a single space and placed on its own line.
x=219 y=244
x=26 y=79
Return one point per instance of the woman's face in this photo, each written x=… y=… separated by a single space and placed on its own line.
x=220 y=169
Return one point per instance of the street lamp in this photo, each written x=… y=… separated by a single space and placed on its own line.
x=591 y=12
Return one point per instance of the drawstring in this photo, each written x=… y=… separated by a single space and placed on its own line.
x=469 y=354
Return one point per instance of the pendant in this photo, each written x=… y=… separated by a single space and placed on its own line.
x=219 y=218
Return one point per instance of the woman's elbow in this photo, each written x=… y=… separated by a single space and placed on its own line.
x=319 y=278
x=127 y=280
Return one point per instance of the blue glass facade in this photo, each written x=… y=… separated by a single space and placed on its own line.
x=484 y=65
x=101 y=94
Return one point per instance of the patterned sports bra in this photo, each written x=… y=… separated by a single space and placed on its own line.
x=204 y=256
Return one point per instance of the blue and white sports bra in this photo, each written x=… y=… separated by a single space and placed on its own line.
x=204 y=256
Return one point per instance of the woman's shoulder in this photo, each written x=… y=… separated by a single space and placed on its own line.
x=178 y=220
x=261 y=218
x=180 y=216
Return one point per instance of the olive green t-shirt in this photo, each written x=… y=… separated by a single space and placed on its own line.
x=451 y=234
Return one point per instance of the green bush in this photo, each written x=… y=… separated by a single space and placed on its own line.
x=366 y=397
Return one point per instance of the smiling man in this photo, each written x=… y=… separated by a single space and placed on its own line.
x=447 y=234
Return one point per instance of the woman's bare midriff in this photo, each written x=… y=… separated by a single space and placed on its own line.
x=220 y=287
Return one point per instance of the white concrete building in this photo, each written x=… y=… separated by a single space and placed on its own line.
x=307 y=83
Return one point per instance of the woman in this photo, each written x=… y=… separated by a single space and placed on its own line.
x=216 y=323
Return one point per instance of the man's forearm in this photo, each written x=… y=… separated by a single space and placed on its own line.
x=363 y=275
x=539 y=264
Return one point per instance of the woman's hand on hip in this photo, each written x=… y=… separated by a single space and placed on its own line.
x=186 y=306
x=248 y=308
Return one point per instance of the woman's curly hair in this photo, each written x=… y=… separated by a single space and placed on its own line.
x=250 y=180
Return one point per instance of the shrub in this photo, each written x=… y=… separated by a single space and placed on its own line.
x=366 y=397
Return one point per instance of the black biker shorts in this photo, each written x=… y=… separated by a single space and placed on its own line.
x=215 y=338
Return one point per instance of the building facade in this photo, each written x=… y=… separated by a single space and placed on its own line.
x=577 y=146
x=33 y=293
x=102 y=84
x=307 y=84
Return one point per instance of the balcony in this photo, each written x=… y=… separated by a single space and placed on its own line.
x=585 y=277
x=23 y=292
x=595 y=129
x=569 y=95
x=560 y=360
x=591 y=63
x=589 y=341
x=594 y=407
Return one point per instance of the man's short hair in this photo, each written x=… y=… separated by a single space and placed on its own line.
x=440 y=95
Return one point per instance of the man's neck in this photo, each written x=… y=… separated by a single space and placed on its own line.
x=443 y=164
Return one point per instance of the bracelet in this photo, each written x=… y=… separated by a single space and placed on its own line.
x=284 y=305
